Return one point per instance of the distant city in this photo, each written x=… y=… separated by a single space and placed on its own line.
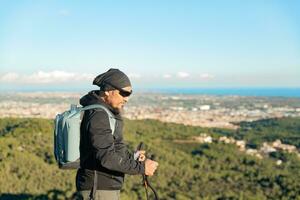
x=223 y=111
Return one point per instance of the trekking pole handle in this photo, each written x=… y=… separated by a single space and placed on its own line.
x=140 y=146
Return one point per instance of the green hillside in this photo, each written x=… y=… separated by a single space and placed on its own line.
x=186 y=171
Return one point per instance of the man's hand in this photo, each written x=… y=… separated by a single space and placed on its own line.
x=140 y=155
x=150 y=167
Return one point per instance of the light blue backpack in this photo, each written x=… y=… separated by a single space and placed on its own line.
x=67 y=135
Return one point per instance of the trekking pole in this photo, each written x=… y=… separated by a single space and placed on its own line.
x=146 y=182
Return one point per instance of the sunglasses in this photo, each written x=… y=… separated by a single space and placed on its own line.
x=122 y=92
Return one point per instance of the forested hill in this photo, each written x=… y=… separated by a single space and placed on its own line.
x=187 y=170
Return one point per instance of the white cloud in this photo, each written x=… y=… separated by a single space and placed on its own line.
x=134 y=76
x=48 y=77
x=42 y=77
x=183 y=74
x=207 y=76
x=167 y=76
x=57 y=77
x=9 y=77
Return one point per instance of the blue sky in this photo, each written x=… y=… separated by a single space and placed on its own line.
x=55 y=44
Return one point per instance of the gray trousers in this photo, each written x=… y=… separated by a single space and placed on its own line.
x=101 y=195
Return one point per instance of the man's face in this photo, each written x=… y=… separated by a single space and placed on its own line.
x=116 y=99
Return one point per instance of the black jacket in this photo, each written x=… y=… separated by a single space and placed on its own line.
x=102 y=151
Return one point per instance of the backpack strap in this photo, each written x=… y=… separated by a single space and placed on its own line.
x=112 y=120
x=92 y=195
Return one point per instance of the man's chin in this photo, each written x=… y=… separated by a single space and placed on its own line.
x=120 y=108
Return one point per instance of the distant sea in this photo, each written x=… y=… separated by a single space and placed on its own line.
x=268 y=92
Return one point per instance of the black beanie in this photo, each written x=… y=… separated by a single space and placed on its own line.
x=113 y=77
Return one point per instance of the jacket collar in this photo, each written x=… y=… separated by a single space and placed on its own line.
x=93 y=97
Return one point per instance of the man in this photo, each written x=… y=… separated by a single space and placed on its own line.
x=104 y=158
